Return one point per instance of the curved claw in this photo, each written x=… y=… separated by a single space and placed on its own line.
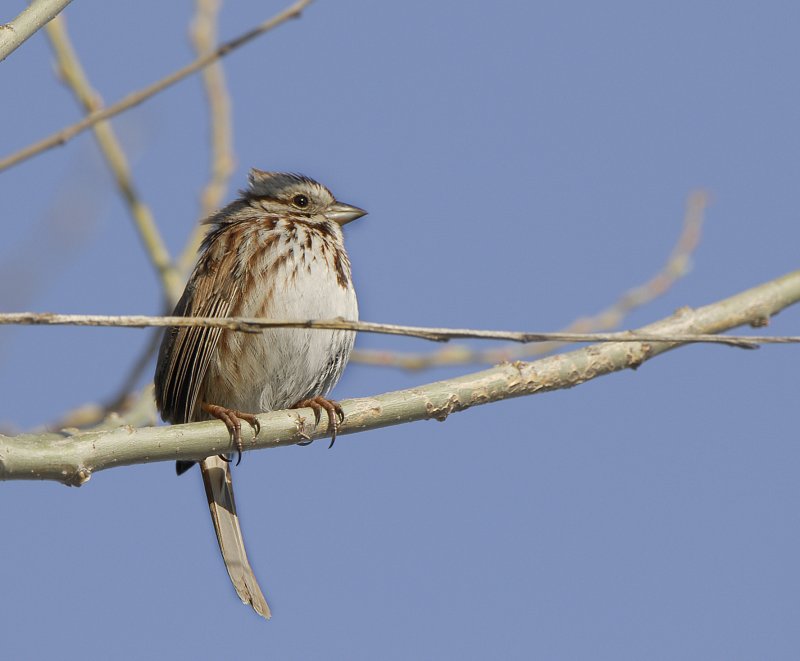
x=314 y=406
x=332 y=408
x=339 y=412
x=233 y=421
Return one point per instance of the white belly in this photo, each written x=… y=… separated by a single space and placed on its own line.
x=297 y=362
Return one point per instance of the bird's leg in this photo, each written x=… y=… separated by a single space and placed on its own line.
x=233 y=421
x=332 y=408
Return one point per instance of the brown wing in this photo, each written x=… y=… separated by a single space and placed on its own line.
x=186 y=352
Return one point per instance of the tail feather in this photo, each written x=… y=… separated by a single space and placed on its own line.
x=219 y=490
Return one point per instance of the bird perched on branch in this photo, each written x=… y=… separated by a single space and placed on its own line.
x=277 y=251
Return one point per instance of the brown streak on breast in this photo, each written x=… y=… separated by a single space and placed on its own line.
x=249 y=271
x=323 y=230
x=342 y=265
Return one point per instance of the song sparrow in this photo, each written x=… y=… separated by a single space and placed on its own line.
x=278 y=252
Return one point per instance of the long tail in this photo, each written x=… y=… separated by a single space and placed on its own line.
x=219 y=490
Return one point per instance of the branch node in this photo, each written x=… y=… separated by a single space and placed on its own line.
x=440 y=413
x=78 y=478
x=300 y=425
x=637 y=357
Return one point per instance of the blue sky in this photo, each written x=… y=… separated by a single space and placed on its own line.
x=523 y=165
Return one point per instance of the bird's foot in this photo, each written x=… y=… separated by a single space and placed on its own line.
x=332 y=408
x=233 y=421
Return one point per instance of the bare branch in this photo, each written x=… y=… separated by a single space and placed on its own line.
x=32 y=18
x=204 y=37
x=134 y=99
x=73 y=458
x=75 y=77
x=790 y=282
x=676 y=267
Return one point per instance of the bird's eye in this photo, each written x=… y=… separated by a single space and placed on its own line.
x=300 y=201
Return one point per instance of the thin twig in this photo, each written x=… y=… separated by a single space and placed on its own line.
x=75 y=77
x=676 y=266
x=134 y=99
x=31 y=19
x=72 y=458
x=204 y=38
x=256 y=325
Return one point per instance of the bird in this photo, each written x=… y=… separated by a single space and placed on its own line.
x=277 y=251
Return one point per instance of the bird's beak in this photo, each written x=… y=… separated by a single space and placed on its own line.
x=342 y=213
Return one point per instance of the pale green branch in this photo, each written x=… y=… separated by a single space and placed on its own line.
x=72 y=458
x=29 y=21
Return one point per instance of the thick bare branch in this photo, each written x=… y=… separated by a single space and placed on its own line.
x=31 y=19
x=72 y=458
x=134 y=99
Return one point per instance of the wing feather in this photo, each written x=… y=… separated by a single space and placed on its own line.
x=187 y=352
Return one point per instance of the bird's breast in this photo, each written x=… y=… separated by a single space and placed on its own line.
x=303 y=274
